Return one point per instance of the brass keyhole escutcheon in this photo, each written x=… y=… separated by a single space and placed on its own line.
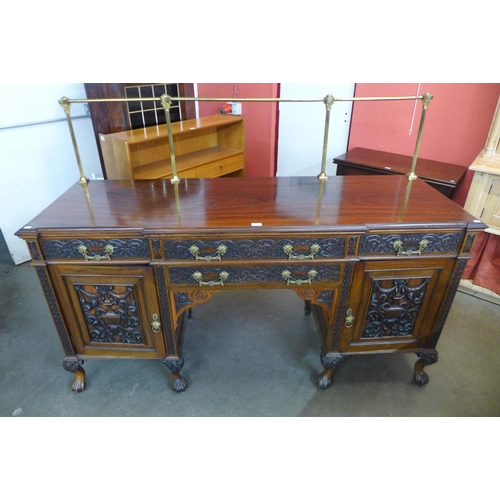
x=155 y=324
x=349 y=319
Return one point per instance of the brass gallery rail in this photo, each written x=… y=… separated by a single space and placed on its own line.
x=328 y=100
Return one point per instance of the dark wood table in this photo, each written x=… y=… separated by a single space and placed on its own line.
x=444 y=177
x=377 y=262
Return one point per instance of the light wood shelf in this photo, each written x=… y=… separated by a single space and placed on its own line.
x=212 y=146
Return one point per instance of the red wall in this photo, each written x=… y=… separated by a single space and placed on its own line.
x=260 y=121
x=456 y=125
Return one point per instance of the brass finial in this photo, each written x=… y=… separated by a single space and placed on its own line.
x=329 y=100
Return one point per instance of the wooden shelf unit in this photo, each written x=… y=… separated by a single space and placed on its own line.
x=212 y=146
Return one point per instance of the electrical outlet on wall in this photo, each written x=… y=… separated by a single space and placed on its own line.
x=235 y=108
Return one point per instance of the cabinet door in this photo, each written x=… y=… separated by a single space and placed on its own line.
x=394 y=304
x=491 y=211
x=110 y=310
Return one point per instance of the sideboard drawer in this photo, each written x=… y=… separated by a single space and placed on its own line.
x=96 y=249
x=293 y=249
x=283 y=274
x=407 y=243
x=221 y=167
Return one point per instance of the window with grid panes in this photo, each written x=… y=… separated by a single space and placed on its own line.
x=148 y=113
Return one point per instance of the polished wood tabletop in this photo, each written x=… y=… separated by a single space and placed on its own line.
x=252 y=205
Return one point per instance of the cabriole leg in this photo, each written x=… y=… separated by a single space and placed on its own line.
x=425 y=359
x=74 y=365
x=324 y=380
x=175 y=366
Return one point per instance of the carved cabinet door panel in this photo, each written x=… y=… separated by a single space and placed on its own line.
x=110 y=310
x=394 y=304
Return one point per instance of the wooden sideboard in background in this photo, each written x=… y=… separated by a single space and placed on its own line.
x=444 y=177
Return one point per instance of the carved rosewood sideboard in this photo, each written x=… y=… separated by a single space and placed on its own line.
x=377 y=260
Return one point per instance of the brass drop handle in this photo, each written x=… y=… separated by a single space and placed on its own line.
x=287 y=276
x=223 y=276
x=313 y=250
x=398 y=246
x=349 y=318
x=195 y=251
x=155 y=324
x=108 y=250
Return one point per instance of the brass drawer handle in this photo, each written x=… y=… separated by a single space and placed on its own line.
x=155 y=324
x=398 y=246
x=223 y=276
x=108 y=250
x=349 y=319
x=313 y=250
x=221 y=250
x=287 y=276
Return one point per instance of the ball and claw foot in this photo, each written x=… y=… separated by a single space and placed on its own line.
x=324 y=379
x=179 y=383
x=75 y=366
x=419 y=376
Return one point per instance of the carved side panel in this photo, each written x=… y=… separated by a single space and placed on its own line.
x=469 y=242
x=448 y=301
x=394 y=307
x=341 y=308
x=34 y=250
x=165 y=310
x=54 y=311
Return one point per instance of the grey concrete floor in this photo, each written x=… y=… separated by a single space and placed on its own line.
x=247 y=353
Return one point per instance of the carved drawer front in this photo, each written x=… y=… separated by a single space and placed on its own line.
x=292 y=249
x=110 y=309
x=96 y=250
x=408 y=244
x=283 y=274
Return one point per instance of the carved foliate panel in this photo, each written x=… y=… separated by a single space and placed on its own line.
x=111 y=313
x=384 y=243
x=394 y=307
x=256 y=249
x=68 y=249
